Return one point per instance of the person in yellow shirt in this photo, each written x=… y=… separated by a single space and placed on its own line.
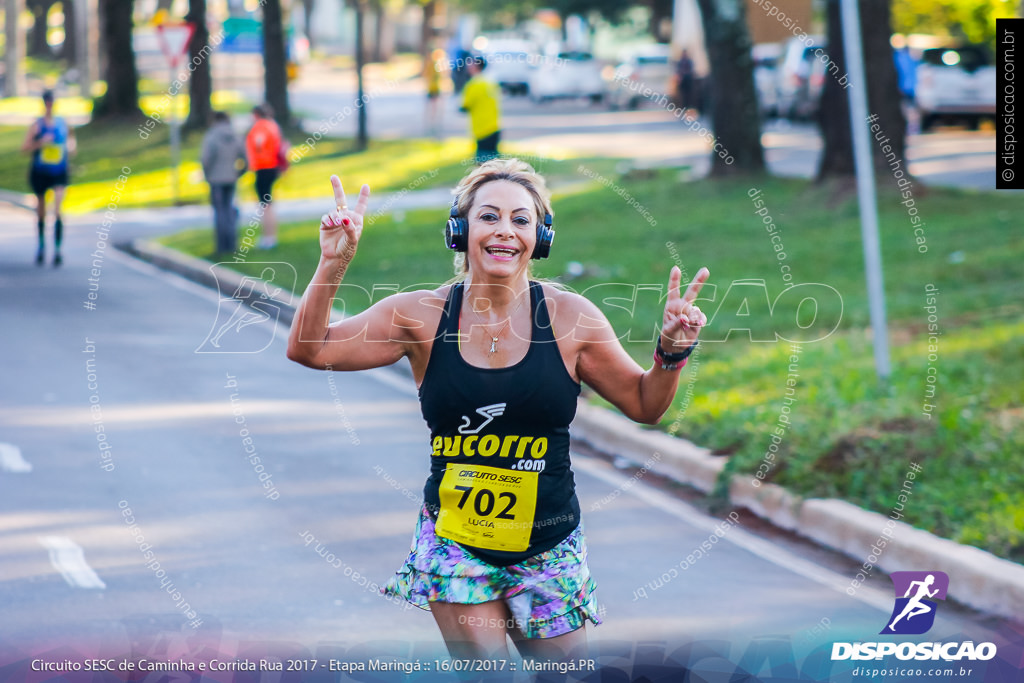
x=481 y=99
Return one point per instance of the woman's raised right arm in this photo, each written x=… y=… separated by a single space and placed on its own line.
x=364 y=341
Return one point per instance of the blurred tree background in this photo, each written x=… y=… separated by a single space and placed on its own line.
x=973 y=21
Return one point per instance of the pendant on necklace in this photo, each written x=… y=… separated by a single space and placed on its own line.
x=494 y=340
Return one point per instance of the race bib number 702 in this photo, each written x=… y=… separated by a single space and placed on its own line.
x=487 y=507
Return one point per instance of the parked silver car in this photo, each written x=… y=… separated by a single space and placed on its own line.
x=569 y=74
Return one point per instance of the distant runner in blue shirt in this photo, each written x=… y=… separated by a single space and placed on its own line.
x=50 y=141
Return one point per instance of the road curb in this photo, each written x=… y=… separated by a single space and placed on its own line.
x=979 y=579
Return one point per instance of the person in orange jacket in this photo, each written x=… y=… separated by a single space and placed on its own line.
x=264 y=147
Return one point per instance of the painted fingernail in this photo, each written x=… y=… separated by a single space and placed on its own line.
x=345 y=221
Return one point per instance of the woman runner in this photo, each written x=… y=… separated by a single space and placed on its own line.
x=499 y=548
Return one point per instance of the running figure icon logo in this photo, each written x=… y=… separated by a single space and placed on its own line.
x=914 y=612
x=248 y=309
x=489 y=413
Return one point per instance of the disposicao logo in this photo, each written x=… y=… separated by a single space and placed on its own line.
x=916 y=593
x=913 y=614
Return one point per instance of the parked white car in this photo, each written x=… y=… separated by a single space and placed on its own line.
x=569 y=74
x=510 y=63
x=955 y=83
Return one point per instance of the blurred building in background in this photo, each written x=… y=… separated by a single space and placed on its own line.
x=764 y=27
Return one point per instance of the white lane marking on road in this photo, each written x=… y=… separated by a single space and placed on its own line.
x=743 y=539
x=68 y=558
x=11 y=460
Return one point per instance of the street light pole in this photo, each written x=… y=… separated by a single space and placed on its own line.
x=361 y=135
x=175 y=142
x=866 y=199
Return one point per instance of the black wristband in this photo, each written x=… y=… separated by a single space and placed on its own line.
x=673 y=358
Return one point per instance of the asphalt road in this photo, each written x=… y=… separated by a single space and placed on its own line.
x=342 y=461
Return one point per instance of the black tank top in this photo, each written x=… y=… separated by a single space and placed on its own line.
x=500 y=438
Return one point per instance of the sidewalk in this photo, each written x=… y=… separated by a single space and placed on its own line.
x=201 y=215
x=193 y=215
x=294 y=209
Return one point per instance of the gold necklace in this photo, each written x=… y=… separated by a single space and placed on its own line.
x=494 y=337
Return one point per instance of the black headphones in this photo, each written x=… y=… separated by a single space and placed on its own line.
x=456 y=233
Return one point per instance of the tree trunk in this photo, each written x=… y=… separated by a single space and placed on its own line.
x=14 y=50
x=427 y=29
x=734 y=115
x=275 y=70
x=307 y=12
x=378 y=31
x=882 y=87
x=122 y=97
x=37 y=45
x=68 y=51
x=200 y=84
x=100 y=67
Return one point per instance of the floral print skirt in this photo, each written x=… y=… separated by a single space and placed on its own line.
x=549 y=594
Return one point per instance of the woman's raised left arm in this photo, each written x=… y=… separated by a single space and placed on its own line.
x=643 y=396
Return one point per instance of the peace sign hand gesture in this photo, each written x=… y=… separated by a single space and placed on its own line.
x=683 y=319
x=340 y=229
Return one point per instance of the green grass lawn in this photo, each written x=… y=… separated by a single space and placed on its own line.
x=850 y=435
x=388 y=165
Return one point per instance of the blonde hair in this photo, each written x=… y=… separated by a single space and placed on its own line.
x=513 y=170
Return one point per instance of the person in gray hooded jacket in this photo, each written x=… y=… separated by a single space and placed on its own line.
x=223 y=160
